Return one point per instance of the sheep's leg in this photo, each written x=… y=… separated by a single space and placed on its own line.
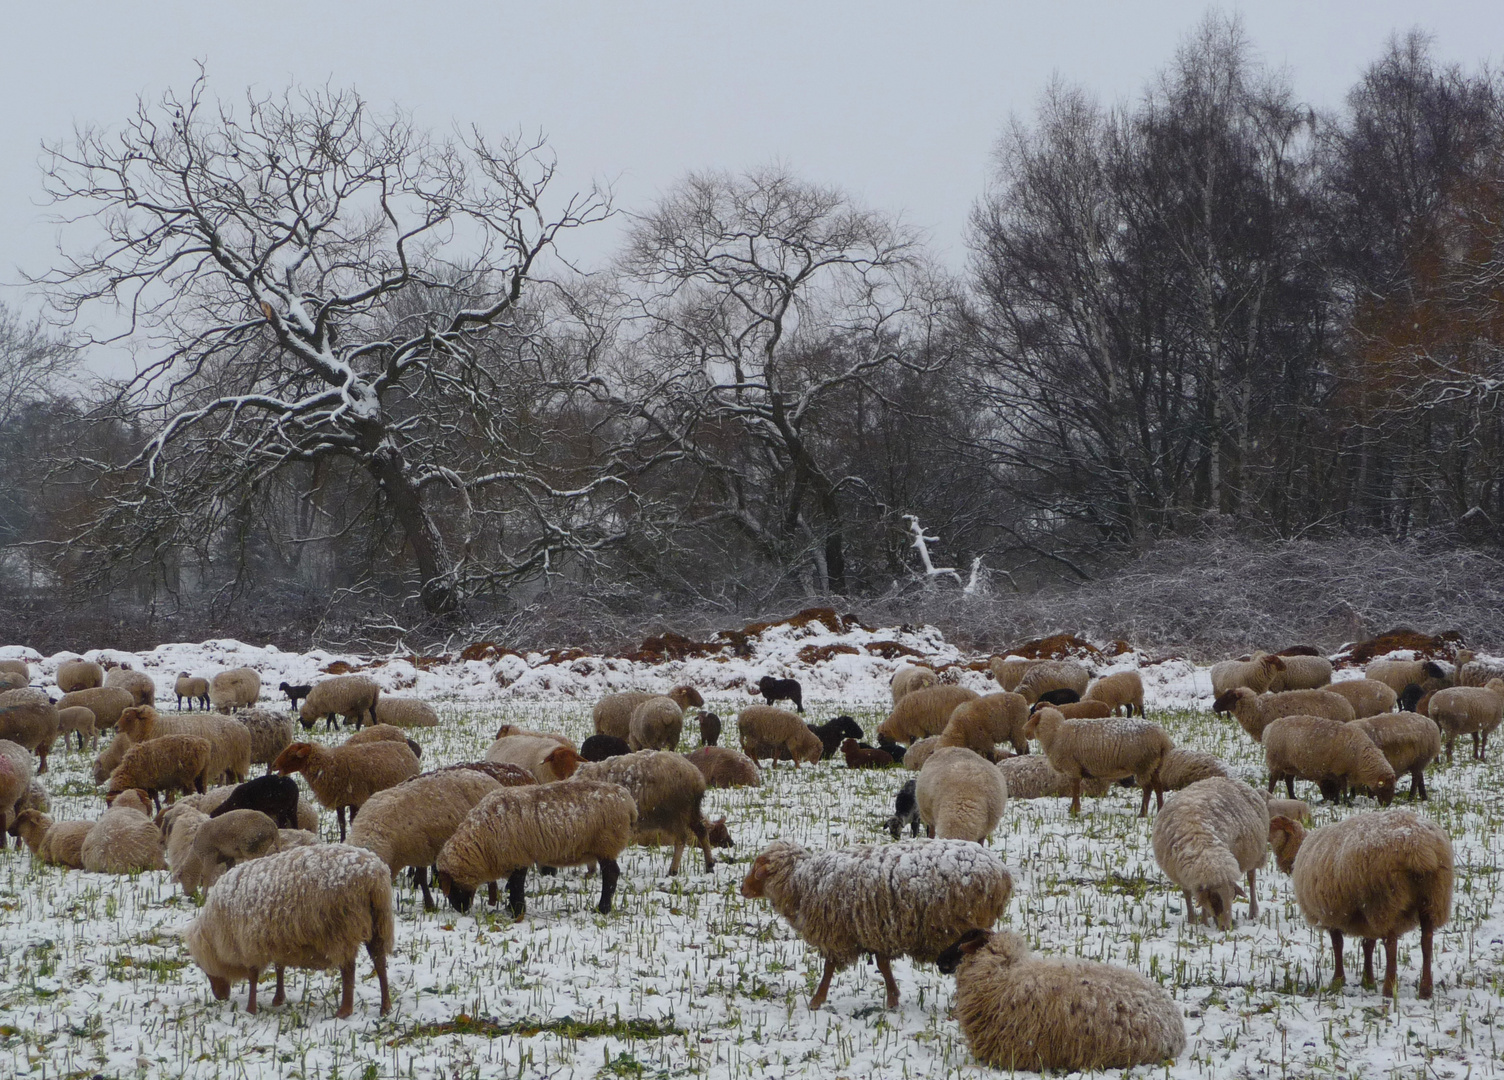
x=339 y=813
x=1483 y=753
x=673 y=866
x=493 y=894
x=378 y=961
x=885 y=966
x=1339 y=977
x=1426 y=929
x=1451 y=742
x=1253 y=896
x=250 y=1005
x=1475 y=746
x=517 y=892
x=1272 y=781
x=610 y=872
x=42 y=757
x=1192 y=912
x=1418 y=785
x=704 y=839
x=420 y=874
x=1289 y=786
x=1075 y=798
x=823 y=990
x=1368 y=944
x=1391 y=965
x=281 y=995
x=347 y=991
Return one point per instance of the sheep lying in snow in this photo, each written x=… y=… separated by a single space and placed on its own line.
x=919 y=752
x=354 y=697
x=123 y=840
x=405 y=712
x=1023 y=1011
x=383 y=733
x=1206 y=839
x=906 y=899
x=961 y=796
x=17 y=667
x=59 y=843
x=833 y=733
x=861 y=756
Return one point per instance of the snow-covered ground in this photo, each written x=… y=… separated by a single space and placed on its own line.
x=686 y=978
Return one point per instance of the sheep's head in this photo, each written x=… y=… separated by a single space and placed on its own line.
x=1229 y=701
x=846 y=727
x=850 y=746
x=968 y=943
x=1285 y=838
x=754 y=884
x=564 y=761
x=130 y=798
x=686 y=696
x=460 y=898
x=717 y=833
x=1273 y=664
x=1217 y=901
x=1385 y=791
x=137 y=721
x=294 y=759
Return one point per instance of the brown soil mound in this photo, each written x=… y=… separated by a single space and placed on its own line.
x=819 y=654
x=1054 y=647
x=891 y=650
x=1441 y=646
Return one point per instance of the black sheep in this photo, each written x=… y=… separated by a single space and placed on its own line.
x=295 y=693
x=895 y=751
x=710 y=729
x=833 y=732
x=1058 y=697
x=274 y=796
x=905 y=811
x=775 y=690
x=601 y=747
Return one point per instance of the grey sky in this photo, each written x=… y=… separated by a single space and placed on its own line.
x=899 y=104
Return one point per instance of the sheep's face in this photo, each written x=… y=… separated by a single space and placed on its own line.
x=564 y=762
x=460 y=898
x=1385 y=792
x=950 y=959
x=753 y=885
x=1285 y=837
x=1217 y=902
x=686 y=696
x=717 y=833
x=294 y=759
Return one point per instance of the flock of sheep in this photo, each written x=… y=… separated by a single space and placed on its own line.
x=278 y=897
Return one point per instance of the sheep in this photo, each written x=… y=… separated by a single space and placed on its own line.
x=710 y=729
x=1033 y=777
x=1398 y=674
x=1301 y=673
x=507 y=730
x=724 y=767
x=669 y=792
x=354 y=697
x=405 y=712
x=194 y=688
x=24 y=695
x=1103 y=749
x=768 y=732
x=1009 y=672
x=1210 y=835
x=75 y=675
x=34 y=798
x=17 y=667
x=1470 y=671
x=1294 y=809
x=1181 y=768
x=775 y=690
x=137 y=684
x=1019 y=1010
x=656 y=724
x=601 y=747
x=833 y=733
x=918 y=753
x=1408 y=741
x=80 y=721
x=1077 y=710
x=15 y=779
x=1462 y=710
x=310 y=907
x=33 y=725
x=214 y=798
x=294 y=694
x=1052 y=675
x=1328 y=752
x=1057 y=698
x=346 y=776
x=123 y=840
x=905 y=811
x=961 y=795
x=59 y=843
x=230 y=739
x=578 y=821
x=171 y=763
x=179 y=825
x=540 y=755
x=891 y=748
x=238 y=688
x=9 y=680
x=925 y=712
x=105 y=702
x=1256 y=674
x=383 y=733
x=221 y=843
x=407 y=825
x=274 y=796
x=1414 y=698
x=1255 y=712
x=903 y=899
x=612 y=715
x=908 y=678
x=1120 y=690
x=1378 y=875
x=981 y=723
x=271 y=732
x=1368 y=697
x=860 y=756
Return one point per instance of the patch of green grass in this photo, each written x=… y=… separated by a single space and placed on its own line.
x=566 y=1027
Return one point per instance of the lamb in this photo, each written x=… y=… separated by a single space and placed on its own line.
x=1255 y=712
x=229 y=739
x=1120 y=690
x=1368 y=697
x=123 y=840
x=33 y=725
x=407 y=825
x=1378 y=875
x=1475 y=710
x=238 y=688
x=1103 y=749
x=905 y=811
x=917 y=754
x=294 y=694
x=1256 y=674
x=540 y=755
x=80 y=674
x=80 y=721
x=1398 y=674
x=908 y=678
x=669 y=792
x=601 y=747
x=723 y=767
x=568 y=824
x=1328 y=752
x=271 y=733
x=352 y=696
x=613 y=713
x=961 y=796
x=861 y=756
x=274 y=796
x=1010 y=672
x=1302 y=673
x=15 y=780
x=137 y=684
x=981 y=723
x=194 y=688
x=1208 y=837
x=903 y=899
x=221 y=843
x=1052 y=675
x=346 y=776
x=405 y=712
x=833 y=733
x=775 y=690
x=891 y=748
x=1023 y=1011
x=1408 y=741
x=105 y=702
x=1033 y=777
x=59 y=843
x=925 y=712
x=108 y=759
x=1181 y=768
x=171 y=763
x=656 y=724
x=310 y=907
x=767 y=732
x=710 y=729
x=383 y=733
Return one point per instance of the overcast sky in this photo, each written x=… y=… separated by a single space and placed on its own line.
x=899 y=104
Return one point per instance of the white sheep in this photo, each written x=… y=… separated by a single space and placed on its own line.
x=1206 y=839
x=961 y=795
x=1103 y=749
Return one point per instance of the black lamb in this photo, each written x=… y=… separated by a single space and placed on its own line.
x=775 y=690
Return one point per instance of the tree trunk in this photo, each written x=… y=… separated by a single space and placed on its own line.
x=386 y=464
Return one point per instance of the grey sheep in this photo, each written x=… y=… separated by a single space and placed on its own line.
x=961 y=795
x=353 y=697
x=272 y=731
x=723 y=767
x=1033 y=777
x=1207 y=838
x=656 y=724
x=1331 y=754
x=405 y=712
x=1408 y=741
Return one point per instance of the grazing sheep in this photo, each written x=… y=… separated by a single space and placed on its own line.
x=105 y=702
x=1120 y=690
x=1408 y=741
x=769 y=732
x=1255 y=674
x=1019 y=1010
x=1398 y=674
x=1414 y=698
x=271 y=733
x=612 y=715
x=961 y=795
x=405 y=712
x=1181 y=768
x=137 y=684
x=179 y=825
x=220 y=843
x=776 y=690
x=59 y=843
x=1327 y=752
x=33 y=725
x=80 y=721
x=656 y=724
x=905 y=811
x=1052 y=675
x=1056 y=698
x=917 y=754
x=171 y=763
x=508 y=730
x=407 y=825
x=1301 y=673
x=123 y=840
x=905 y=899
x=578 y=821
x=15 y=780
x=214 y=798
x=309 y=907
x=383 y=733
x=1033 y=777
x=1368 y=697
x=294 y=694
x=1254 y=712
x=601 y=747
x=833 y=733
x=923 y=713
x=75 y=675
x=274 y=796
x=1077 y=710
x=195 y=689
x=710 y=729
x=346 y=776
x=1207 y=838
x=353 y=697
x=861 y=756
x=669 y=792
x=1294 y=809
x=981 y=723
x=1010 y=672
x=544 y=757
x=1104 y=750
x=230 y=740
x=908 y=678
x=238 y=688
x=724 y=767
x=1464 y=710
x=1377 y=875
x=108 y=759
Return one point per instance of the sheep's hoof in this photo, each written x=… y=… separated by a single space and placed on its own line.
x=343 y=1012
x=1336 y=985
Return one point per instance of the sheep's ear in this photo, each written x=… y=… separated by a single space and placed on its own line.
x=1238 y=890
x=972 y=940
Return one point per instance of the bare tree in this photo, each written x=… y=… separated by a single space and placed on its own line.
x=307 y=281
x=33 y=363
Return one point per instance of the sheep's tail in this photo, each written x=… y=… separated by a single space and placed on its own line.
x=383 y=928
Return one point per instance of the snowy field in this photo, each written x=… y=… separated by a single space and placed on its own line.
x=685 y=978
